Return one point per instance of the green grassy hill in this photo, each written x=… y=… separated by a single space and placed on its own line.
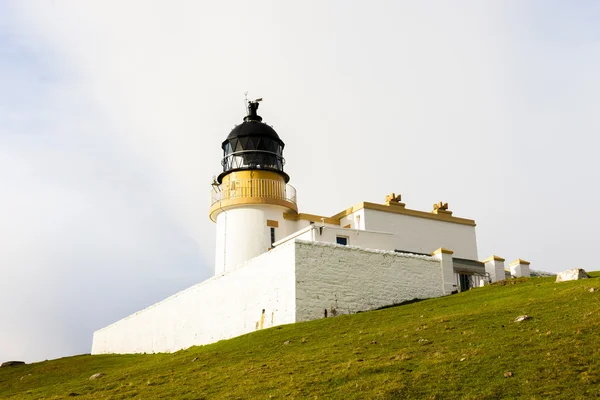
x=461 y=346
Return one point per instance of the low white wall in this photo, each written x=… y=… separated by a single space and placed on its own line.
x=520 y=270
x=346 y=279
x=296 y=281
x=219 y=308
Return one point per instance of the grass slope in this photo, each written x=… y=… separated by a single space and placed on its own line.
x=460 y=346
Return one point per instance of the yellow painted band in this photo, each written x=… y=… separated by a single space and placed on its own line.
x=519 y=261
x=493 y=258
x=310 y=217
x=224 y=205
x=403 y=211
x=252 y=174
x=439 y=211
x=443 y=251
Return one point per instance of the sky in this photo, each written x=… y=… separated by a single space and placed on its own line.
x=112 y=114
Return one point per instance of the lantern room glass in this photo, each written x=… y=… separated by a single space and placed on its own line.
x=252 y=152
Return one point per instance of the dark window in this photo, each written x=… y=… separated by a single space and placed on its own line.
x=272 y=236
x=465 y=282
x=341 y=240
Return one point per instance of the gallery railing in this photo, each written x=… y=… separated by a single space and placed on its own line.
x=253 y=188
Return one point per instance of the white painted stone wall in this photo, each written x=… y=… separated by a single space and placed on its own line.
x=495 y=268
x=423 y=235
x=345 y=279
x=219 y=308
x=242 y=233
x=448 y=278
x=296 y=281
x=519 y=270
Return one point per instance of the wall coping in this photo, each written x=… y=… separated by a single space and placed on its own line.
x=443 y=251
x=518 y=261
x=493 y=258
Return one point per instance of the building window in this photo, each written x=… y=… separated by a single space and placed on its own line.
x=272 y=236
x=343 y=240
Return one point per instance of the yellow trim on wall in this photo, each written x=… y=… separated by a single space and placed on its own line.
x=223 y=205
x=440 y=211
x=272 y=223
x=394 y=204
x=403 y=211
x=310 y=217
x=252 y=194
x=443 y=251
x=493 y=258
x=252 y=174
x=519 y=261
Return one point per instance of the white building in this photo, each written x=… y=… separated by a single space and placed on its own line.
x=274 y=265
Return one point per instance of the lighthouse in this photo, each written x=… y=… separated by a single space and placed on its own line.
x=251 y=194
x=275 y=265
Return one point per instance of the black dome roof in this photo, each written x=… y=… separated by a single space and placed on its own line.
x=253 y=145
x=253 y=128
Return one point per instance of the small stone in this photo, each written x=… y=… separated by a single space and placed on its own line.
x=592 y=290
x=571 y=275
x=508 y=374
x=195 y=359
x=286 y=342
x=422 y=340
x=463 y=359
x=96 y=376
x=12 y=363
x=522 y=318
x=373 y=342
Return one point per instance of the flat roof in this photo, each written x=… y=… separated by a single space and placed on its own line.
x=394 y=208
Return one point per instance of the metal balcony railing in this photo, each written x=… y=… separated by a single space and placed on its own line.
x=254 y=187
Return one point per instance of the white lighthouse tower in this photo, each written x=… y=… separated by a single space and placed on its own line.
x=251 y=194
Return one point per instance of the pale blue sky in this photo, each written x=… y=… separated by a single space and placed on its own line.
x=112 y=114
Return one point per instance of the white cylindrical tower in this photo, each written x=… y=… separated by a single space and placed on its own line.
x=251 y=194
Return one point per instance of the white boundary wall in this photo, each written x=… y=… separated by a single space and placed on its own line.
x=346 y=279
x=296 y=281
x=219 y=308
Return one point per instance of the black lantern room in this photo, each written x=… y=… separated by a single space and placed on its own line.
x=253 y=145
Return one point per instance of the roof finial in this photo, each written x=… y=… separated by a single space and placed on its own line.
x=251 y=110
